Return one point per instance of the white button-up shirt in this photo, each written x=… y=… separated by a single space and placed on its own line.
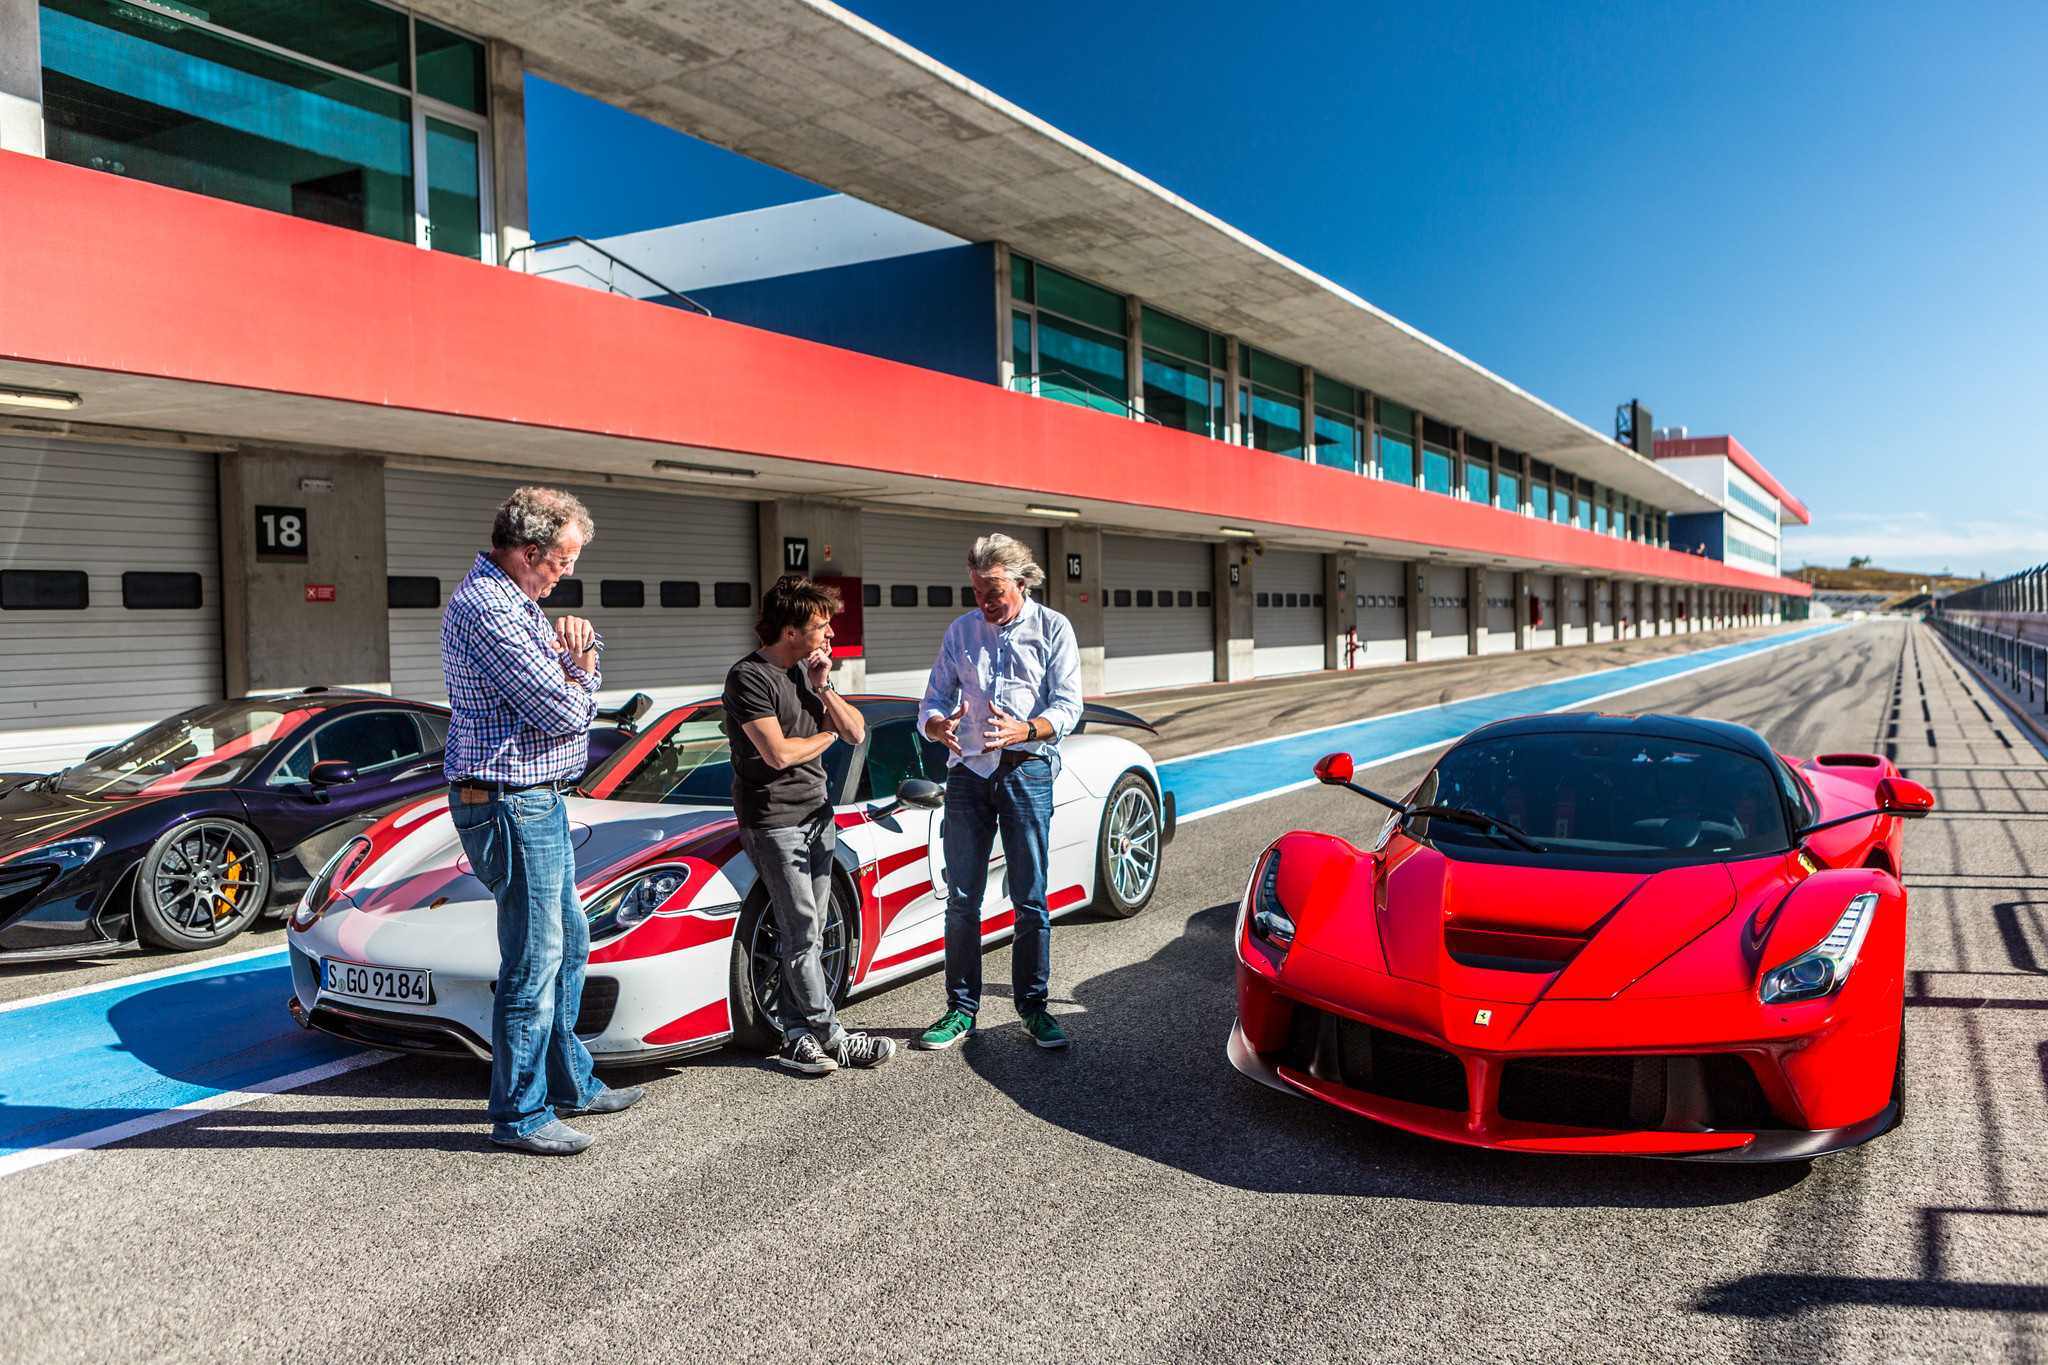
x=1029 y=669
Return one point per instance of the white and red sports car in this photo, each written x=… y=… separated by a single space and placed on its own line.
x=395 y=943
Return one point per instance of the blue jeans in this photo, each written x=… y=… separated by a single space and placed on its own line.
x=519 y=845
x=1017 y=803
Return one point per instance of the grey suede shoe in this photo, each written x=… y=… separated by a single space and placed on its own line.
x=555 y=1139
x=608 y=1101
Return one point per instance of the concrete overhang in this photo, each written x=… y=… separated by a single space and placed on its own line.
x=810 y=88
x=184 y=320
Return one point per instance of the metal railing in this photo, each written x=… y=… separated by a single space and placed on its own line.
x=2026 y=590
x=607 y=280
x=2020 y=664
x=1035 y=384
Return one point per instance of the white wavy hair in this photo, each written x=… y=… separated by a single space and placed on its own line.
x=536 y=516
x=997 y=553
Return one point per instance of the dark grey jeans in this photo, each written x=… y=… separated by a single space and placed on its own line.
x=795 y=867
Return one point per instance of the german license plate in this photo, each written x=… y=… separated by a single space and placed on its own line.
x=365 y=982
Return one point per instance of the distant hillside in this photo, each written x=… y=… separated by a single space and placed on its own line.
x=1896 y=587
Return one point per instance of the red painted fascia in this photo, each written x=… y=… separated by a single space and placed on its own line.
x=105 y=273
x=1732 y=449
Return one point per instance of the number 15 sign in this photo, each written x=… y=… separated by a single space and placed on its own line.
x=280 y=533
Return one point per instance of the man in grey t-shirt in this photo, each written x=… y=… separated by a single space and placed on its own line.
x=781 y=715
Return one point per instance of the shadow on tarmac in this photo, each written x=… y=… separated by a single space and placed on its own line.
x=1147 y=1074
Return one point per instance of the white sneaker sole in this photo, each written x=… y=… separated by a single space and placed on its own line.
x=824 y=1068
x=922 y=1046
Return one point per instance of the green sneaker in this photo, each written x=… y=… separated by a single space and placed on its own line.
x=1043 y=1030
x=951 y=1028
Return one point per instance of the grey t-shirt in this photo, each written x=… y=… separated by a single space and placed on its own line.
x=765 y=797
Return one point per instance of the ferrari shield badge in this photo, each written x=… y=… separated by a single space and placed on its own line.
x=1483 y=1017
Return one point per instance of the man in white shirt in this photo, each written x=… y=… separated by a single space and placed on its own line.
x=1006 y=688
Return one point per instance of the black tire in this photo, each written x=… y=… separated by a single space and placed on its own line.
x=1899 y=1077
x=1127 y=848
x=757 y=957
x=200 y=884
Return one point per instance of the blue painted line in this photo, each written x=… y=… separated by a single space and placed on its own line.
x=1202 y=783
x=88 y=1061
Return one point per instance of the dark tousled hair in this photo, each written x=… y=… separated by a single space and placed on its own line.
x=793 y=601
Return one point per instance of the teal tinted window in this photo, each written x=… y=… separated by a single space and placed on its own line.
x=353 y=34
x=1396 y=418
x=451 y=68
x=1336 y=441
x=1079 y=300
x=179 y=106
x=1219 y=352
x=1397 y=459
x=454 y=200
x=1511 y=492
x=1338 y=397
x=1077 y=364
x=1020 y=279
x=1272 y=421
x=1273 y=374
x=1177 y=338
x=1539 y=500
x=1178 y=395
x=1478 y=482
x=1020 y=343
x=1436 y=470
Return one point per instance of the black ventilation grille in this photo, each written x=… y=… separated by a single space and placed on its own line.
x=1584 y=1092
x=1376 y=1060
x=600 y=998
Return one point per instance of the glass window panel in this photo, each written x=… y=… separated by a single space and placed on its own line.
x=1177 y=395
x=1020 y=347
x=192 y=110
x=1182 y=339
x=1079 y=300
x=455 y=221
x=1219 y=352
x=1539 y=501
x=1336 y=441
x=1436 y=470
x=352 y=34
x=1478 y=482
x=1397 y=460
x=1274 y=374
x=1510 y=492
x=1219 y=412
x=1020 y=279
x=1275 y=423
x=1078 y=364
x=1600 y=518
x=1396 y=418
x=1331 y=394
x=451 y=68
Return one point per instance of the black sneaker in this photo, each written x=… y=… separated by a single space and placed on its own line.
x=860 y=1049
x=807 y=1056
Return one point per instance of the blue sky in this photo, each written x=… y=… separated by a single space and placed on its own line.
x=1819 y=228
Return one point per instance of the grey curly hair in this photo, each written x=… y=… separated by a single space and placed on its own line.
x=997 y=553
x=536 y=516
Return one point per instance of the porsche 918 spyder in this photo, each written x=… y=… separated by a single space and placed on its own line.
x=1642 y=935
x=395 y=944
x=181 y=836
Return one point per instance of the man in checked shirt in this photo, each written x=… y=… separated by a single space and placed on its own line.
x=523 y=695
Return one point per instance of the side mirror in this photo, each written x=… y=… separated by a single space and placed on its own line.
x=1903 y=797
x=637 y=705
x=332 y=772
x=914 y=791
x=104 y=748
x=1333 y=770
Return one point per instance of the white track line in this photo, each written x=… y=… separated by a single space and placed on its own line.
x=28 y=1158
x=1236 y=802
x=187 y=970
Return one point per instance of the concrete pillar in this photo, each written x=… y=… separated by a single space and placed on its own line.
x=1418 y=607
x=1475 y=610
x=21 y=77
x=822 y=539
x=291 y=620
x=1340 y=608
x=508 y=146
x=1233 y=611
x=1006 y=360
x=1230 y=423
x=1134 y=354
x=1078 y=595
x=1524 y=632
x=1596 y=596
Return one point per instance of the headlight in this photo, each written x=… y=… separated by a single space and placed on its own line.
x=633 y=900
x=1821 y=970
x=1270 y=922
x=68 y=854
x=320 y=894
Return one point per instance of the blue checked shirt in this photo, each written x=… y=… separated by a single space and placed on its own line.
x=522 y=714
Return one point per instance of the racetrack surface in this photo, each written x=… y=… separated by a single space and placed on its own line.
x=1132 y=1197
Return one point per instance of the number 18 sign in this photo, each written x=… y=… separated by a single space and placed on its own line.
x=280 y=533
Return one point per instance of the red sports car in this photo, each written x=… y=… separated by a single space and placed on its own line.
x=1623 y=935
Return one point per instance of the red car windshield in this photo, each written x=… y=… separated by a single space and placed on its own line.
x=685 y=760
x=1606 y=796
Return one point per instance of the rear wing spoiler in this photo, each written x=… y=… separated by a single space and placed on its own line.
x=1094 y=713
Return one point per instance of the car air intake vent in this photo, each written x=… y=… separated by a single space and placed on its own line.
x=1849 y=761
x=1584 y=1092
x=1375 y=1060
x=1505 y=952
x=600 y=998
x=19 y=886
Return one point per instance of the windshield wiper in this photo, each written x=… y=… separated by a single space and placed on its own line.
x=1458 y=815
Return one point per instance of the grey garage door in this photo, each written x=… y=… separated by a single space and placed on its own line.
x=917 y=568
x=679 y=556
x=1287 y=612
x=111 y=594
x=1500 y=611
x=1447 y=611
x=1382 y=605
x=1158 y=618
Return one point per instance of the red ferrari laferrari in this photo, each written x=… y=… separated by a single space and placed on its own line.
x=1619 y=935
